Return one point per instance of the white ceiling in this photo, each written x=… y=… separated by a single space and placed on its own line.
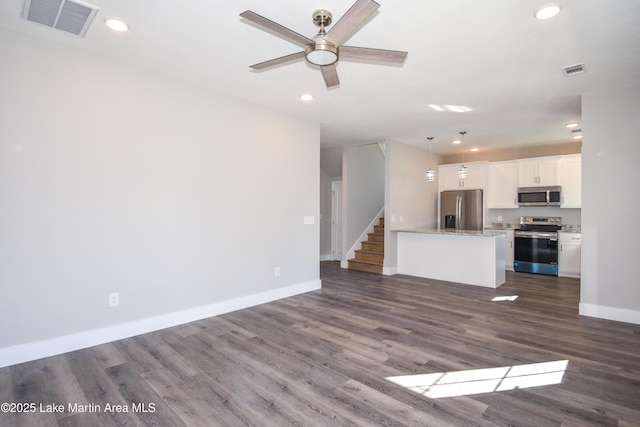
x=492 y=56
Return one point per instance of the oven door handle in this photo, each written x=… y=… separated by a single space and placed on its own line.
x=529 y=235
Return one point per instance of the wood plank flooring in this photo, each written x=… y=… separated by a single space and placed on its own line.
x=323 y=359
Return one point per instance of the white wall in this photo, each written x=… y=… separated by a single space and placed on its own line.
x=410 y=201
x=113 y=179
x=610 y=235
x=363 y=190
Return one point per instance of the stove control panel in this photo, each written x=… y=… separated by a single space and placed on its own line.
x=541 y=220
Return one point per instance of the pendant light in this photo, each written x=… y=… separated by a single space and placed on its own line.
x=430 y=175
x=462 y=172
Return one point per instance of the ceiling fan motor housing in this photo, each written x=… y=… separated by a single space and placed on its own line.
x=322 y=18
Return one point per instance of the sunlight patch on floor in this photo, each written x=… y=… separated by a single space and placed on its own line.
x=477 y=381
x=505 y=298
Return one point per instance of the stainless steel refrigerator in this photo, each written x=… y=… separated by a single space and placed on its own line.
x=461 y=210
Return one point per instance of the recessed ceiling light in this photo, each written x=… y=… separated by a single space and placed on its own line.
x=116 y=24
x=475 y=149
x=458 y=108
x=577 y=136
x=456 y=141
x=452 y=108
x=306 y=97
x=548 y=11
x=571 y=125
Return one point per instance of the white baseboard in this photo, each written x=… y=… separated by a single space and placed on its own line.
x=326 y=257
x=610 y=313
x=59 y=345
x=389 y=271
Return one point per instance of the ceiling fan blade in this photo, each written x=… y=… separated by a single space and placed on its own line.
x=351 y=52
x=351 y=21
x=278 y=61
x=330 y=75
x=288 y=34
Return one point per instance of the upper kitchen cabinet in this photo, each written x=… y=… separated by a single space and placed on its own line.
x=476 y=177
x=571 y=173
x=503 y=185
x=539 y=172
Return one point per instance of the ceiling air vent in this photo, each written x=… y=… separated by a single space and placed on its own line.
x=573 y=70
x=71 y=16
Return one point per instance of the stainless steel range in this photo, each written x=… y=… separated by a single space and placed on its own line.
x=536 y=245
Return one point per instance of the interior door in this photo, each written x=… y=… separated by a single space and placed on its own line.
x=336 y=220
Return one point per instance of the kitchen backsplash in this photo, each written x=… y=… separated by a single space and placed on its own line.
x=510 y=218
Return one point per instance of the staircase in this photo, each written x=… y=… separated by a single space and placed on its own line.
x=371 y=256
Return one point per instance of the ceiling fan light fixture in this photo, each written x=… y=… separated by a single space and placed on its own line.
x=322 y=53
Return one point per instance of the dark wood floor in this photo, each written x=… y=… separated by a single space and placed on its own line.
x=322 y=359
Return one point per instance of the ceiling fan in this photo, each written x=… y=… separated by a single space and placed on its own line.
x=325 y=49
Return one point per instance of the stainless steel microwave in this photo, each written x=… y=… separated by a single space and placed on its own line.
x=539 y=196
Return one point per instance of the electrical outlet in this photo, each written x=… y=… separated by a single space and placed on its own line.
x=277 y=272
x=499 y=217
x=114 y=299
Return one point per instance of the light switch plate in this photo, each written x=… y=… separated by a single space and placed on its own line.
x=309 y=219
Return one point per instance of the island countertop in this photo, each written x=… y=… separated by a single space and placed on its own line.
x=448 y=231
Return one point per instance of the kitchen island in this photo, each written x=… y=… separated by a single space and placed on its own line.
x=470 y=257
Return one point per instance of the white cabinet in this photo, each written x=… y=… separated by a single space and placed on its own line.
x=571 y=182
x=539 y=172
x=503 y=185
x=448 y=177
x=508 y=246
x=570 y=248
